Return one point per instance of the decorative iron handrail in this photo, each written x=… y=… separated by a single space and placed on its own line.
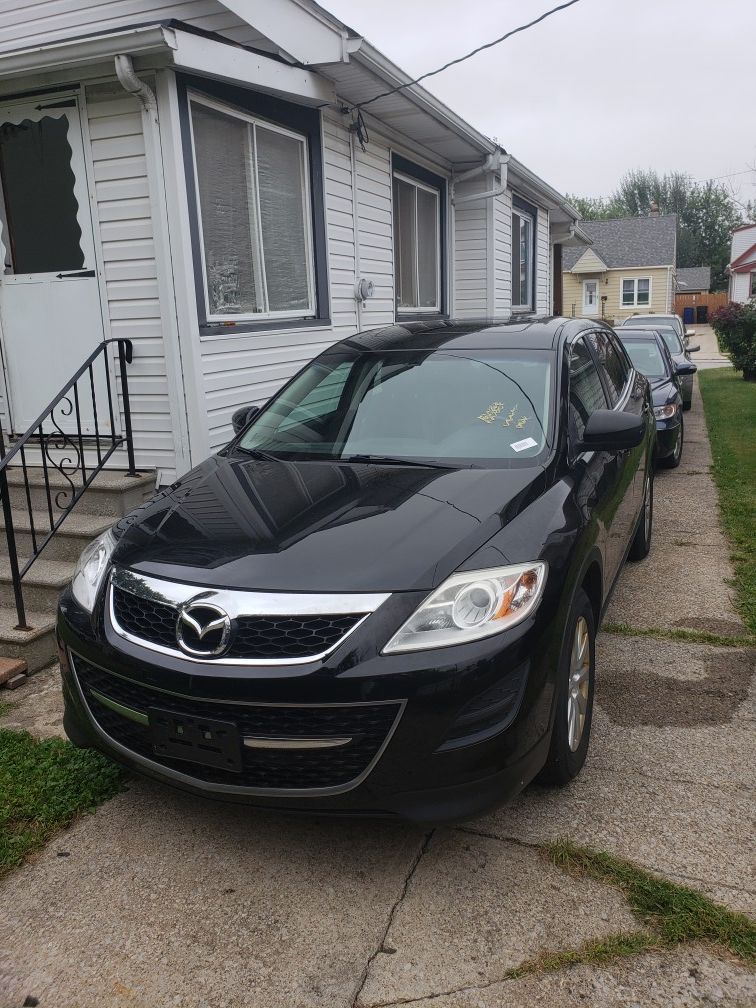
x=69 y=434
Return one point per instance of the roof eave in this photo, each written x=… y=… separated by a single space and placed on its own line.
x=363 y=52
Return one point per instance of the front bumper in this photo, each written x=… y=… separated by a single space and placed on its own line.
x=434 y=736
x=667 y=434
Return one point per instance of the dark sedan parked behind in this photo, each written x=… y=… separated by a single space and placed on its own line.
x=679 y=353
x=648 y=351
x=382 y=597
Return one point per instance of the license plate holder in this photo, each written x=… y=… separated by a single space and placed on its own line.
x=197 y=740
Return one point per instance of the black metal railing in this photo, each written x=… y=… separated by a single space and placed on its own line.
x=74 y=435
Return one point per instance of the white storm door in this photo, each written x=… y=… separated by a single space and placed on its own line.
x=590 y=297
x=50 y=305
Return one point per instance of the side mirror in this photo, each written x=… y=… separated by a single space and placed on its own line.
x=242 y=417
x=609 y=431
x=692 y=349
x=686 y=369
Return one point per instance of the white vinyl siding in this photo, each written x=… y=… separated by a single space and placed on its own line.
x=123 y=216
x=25 y=24
x=375 y=231
x=543 y=264
x=502 y=251
x=471 y=251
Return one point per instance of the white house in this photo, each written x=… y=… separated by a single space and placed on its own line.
x=742 y=267
x=195 y=176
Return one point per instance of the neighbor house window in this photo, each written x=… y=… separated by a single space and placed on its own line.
x=255 y=216
x=636 y=291
x=523 y=257
x=752 y=292
x=417 y=245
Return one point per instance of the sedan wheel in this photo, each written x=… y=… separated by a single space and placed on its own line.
x=580 y=674
x=574 y=700
x=674 y=459
x=642 y=541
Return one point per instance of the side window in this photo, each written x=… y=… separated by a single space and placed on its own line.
x=611 y=362
x=586 y=390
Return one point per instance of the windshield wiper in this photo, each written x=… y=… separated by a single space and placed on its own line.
x=259 y=453
x=393 y=460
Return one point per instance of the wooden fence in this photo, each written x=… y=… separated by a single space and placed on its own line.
x=695 y=301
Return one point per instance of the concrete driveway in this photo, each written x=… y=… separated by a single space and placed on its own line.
x=160 y=899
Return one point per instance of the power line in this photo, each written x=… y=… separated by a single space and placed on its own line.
x=461 y=59
x=718 y=178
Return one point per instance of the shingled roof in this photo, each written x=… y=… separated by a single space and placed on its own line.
x=694 y=278
x=629 y=242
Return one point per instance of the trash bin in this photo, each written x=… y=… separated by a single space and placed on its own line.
x=689 y=315
x=702 y=314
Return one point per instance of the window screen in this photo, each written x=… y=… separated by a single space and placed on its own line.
x=417 y=216
x=252 y=182
x=38 y=192
x=522 y=260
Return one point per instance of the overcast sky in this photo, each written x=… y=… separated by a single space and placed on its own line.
x=595 y=90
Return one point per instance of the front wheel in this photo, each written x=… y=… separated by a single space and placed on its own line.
x=673 y=461
x=574 y=703
x=641 y=543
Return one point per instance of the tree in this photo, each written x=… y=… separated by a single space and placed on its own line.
x=707 y=213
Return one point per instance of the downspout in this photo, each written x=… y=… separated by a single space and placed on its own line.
x=494 y=163
x=127 y=78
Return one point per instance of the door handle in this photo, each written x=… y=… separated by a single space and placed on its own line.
x=74 y=275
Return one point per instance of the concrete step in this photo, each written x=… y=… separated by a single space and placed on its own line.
x=42 y=584
x=37 y=647
x=78 y=529
x=112 y=492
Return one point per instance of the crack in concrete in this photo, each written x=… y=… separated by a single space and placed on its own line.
x=397 y=903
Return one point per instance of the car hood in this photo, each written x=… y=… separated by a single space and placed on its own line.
x=320 y=526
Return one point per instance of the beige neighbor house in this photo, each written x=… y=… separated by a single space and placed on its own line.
x=629 y=268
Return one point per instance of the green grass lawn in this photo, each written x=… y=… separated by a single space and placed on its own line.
x=730 y=408
x=44 y=785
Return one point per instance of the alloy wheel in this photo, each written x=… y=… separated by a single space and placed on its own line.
x=579 y=684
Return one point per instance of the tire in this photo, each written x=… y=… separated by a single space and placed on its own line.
x=566 y=758
x=687 y=405
x=676 y=457
x=74 y=735
x=641 y=543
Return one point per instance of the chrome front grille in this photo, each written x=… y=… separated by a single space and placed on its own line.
x=265 y=628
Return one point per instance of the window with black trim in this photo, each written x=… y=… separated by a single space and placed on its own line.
x=255 y=215
x=586 y=391
x=524 y=217
x=611 y=363
x=418 y=238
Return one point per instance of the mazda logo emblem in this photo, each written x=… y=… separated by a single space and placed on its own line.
x=202 y=629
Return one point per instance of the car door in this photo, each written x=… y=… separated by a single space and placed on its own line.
x=626 y=394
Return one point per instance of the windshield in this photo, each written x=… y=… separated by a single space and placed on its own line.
x=646 y=357
x=414 y=405
x=672 y=340
x=667 y=333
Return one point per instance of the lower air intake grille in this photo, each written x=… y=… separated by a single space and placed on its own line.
x=367 y=725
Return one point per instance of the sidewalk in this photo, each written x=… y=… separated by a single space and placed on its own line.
x=708 y=356
x=161 y=900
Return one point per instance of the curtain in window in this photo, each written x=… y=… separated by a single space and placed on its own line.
x=252 y=189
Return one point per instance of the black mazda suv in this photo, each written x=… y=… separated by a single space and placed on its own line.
x=382 y=596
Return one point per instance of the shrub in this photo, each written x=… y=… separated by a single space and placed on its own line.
x=735 y=326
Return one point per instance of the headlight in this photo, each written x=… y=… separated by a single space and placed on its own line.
x=470 y=606
x=665 y=412
x=91 y=568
